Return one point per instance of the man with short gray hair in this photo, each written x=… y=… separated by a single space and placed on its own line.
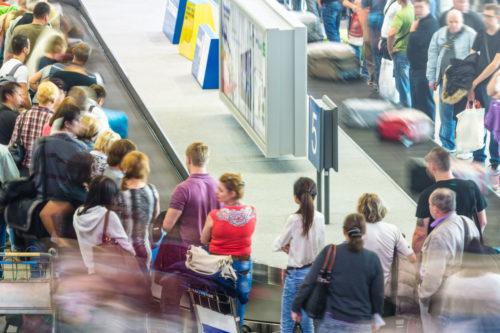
x=442 y=253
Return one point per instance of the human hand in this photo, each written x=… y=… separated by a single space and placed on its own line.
x=296 y=317
x=379 y=44
x=414 y=26
x=286 y=248
x=471 y=96
x=432 y=85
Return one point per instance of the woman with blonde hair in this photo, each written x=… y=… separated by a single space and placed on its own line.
x=139 y=203
x=87 y=133
x=381 y=237
x=229 y=230
x=103 y=143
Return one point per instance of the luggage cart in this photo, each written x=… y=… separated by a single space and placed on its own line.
x=27 y=284
x=215 y=310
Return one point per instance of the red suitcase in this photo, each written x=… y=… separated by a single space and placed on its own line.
x=407 y=126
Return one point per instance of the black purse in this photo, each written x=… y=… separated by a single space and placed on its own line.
x=315 y=304
x=17 y=150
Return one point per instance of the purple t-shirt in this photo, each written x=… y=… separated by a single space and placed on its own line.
x=195 y=197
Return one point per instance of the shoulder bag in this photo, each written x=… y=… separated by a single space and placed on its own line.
x=200 y=261
x=315 y=304
x=17 y=149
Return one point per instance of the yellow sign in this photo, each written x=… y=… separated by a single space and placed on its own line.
x=197 y=12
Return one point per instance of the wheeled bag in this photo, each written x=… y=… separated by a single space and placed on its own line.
x=363 y=113
x=332 y=61
x=407 y=126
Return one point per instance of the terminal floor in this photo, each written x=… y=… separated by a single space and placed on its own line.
x=187 y=113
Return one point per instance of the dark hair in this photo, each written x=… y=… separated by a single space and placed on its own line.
x=79 y=167
x=440 y=157
x=19 y=42
x=41 y=9
x=59 y=83
x=8 y=89
x=68 y=103
x=102 y=192
x=99 y=90
x=118 y=150
x=354 y=226
x=71 y=113
x=493 y=7
x=424 y=1
x=82 y=51
x=305 y=191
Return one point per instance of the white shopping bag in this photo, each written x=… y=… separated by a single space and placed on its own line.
x=470 y=130
x=386 y=83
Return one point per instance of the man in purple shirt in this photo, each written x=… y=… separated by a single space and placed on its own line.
x=190 y=204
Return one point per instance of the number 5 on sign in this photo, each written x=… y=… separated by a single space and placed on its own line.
x=315 y=144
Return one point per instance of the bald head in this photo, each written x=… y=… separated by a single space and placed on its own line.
x=454 y=21
x=442 y=201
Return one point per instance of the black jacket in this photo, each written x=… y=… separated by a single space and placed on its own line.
x=418 y=44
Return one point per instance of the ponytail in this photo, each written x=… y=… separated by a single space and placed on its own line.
x=305 y=191
x=354 y=226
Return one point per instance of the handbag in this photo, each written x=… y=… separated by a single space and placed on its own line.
x=315 y=304
x=17 y=149
x=202 y=262
x=470 y=129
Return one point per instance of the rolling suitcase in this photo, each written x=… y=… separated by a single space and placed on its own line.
x=118 y=121
x=407 y=126
x=312 y=24
x=332 y=61
x=363 y=113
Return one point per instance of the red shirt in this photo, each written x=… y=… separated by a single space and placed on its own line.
x=232 y=230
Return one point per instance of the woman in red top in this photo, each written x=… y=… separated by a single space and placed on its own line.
x=229 y=232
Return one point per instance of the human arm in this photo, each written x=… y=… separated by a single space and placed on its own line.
x=377 y=287
x=404 y=248
x=281 y=242
x=115 y=231
x=171 y=219
x=432 y=59
x=481 y=216
x=490 y=69
x=319 y=4
x=53 y=216
x=351 y=5
x=420 y=234
x=34 y=80
x=433 y=269
x=491 y=88
x=391 y=37
x=206 y=234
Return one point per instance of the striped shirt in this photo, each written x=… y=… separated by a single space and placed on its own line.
x=32 y=122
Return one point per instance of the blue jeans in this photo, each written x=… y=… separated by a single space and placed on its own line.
x=293 y=281
x=479 y=155
x=421 y=95
x=469 y=323
x=243 y=284
x=402 y=78
x=332 y=12
x=447 y=129
x=329 y=324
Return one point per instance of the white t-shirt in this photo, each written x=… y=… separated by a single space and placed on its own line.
x=382 y=238
x=389 y=17
x=21 y=74
x=303 y=250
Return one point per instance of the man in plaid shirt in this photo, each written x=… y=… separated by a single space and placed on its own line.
x=33 y=121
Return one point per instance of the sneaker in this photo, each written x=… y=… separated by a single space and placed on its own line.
x=464 y=156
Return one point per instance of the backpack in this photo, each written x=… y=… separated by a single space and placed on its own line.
x=9 y=77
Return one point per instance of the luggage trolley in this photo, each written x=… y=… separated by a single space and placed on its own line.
x=215 y=310
x=27 y=284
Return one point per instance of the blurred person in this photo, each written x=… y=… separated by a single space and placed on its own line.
x=33 y=30
x=470 y=17
x=331 y=12
x=32 y=122
x=54 y=152
x=116 y=153
x=313 y=6
x=487 y=46
x=85 y=97
x=442 y=254
x=140 y=203
x=472 y=295
x=397 y=41
x=421 y=33
x=356 y=290
x=374 y=13
x=452 y=41
x=354 y=21
x=469 y=200
x=95 y=102
x=12 y=99
x=102 y=145
x=55 y=120
x=89 y=219
x=381 y=237
x=89 y=129
x=57 y=215
x=55 y=47
x=302 y=237
x=75 y=73
x=190 y=204
x=229 y=230
x=21 y=48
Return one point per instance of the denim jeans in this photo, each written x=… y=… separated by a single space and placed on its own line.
x=294 y=278
x=243 y=284
x=479 y=155
x=328 y=324
x=421 y=95
x=447 y=129
x=402 y=78
x=470 y=323
x=332 y=13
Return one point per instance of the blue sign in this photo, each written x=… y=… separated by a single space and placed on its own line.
x=315 y=138
x=174 y=18
x=205 y=67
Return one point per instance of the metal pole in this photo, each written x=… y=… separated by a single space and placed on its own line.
x=319 y=188
x=327 y=196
